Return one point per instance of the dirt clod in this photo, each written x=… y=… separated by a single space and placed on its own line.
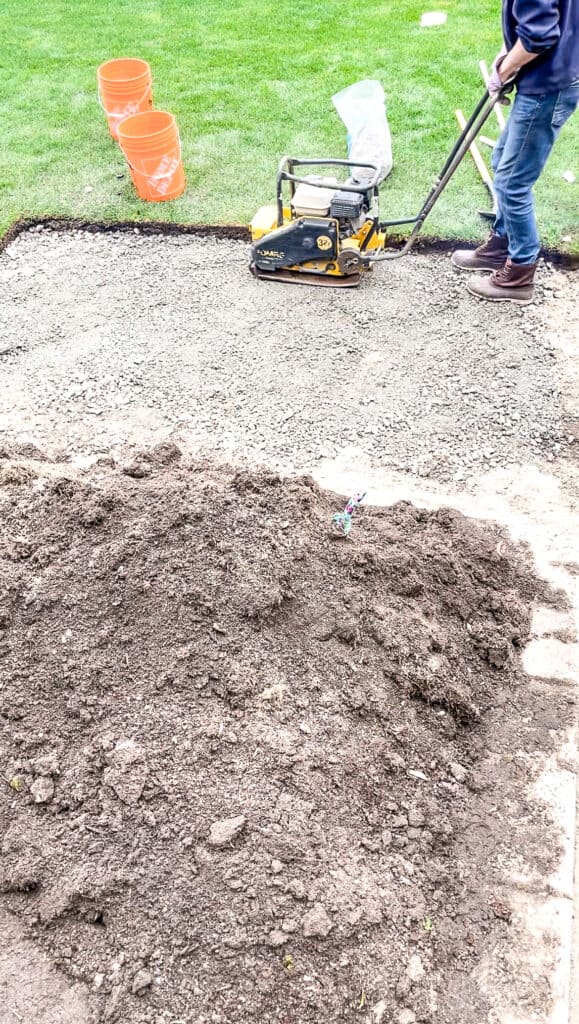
x=16 y=473
x=316 y=922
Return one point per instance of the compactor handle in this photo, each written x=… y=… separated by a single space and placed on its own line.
x=474 y=125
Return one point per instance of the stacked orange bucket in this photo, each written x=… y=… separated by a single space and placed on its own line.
x=148 y=138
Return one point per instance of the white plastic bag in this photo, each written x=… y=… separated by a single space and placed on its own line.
x=362 y=108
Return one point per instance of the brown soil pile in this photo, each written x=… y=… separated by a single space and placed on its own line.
x=254 y=772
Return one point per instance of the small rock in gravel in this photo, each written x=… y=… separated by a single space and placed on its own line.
x=224 y=832
x=42 y=790
x=126 y=773
x=378 y=1012
x=415 y=969
x=138 y=470
x=316 y=922
x=416 y=817
x=297 y=889
x=373 y=845
x=165 y=453
x=141 y=981
x=417 y=912
x=47 y=765
x=124 y=753
x=501 y=909
x=403 y=987
x=457 y=771
x=277 y=938
x=406 y=1017
x=276 y=866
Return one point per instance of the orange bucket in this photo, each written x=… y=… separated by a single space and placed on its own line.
x=152 y=146
x=125 y=88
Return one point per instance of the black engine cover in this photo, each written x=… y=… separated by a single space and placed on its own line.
x=305 y=239
x=349 y=205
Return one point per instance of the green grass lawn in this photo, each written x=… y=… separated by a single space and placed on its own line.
x=248 y=81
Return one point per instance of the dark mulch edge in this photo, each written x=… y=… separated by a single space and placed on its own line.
x=426 y=245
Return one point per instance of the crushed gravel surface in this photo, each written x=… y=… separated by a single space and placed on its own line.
x=112 y=340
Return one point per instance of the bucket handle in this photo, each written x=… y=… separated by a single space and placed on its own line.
x=121 y=115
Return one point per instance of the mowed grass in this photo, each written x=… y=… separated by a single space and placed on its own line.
x=248 y=81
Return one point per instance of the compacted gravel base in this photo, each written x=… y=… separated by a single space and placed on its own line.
x=116 y=339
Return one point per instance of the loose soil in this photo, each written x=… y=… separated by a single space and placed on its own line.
x=253 y=771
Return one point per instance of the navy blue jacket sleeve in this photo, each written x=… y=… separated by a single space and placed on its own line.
x=537 y=24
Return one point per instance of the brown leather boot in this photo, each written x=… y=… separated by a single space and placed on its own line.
x=489 y=256
x=512 y=283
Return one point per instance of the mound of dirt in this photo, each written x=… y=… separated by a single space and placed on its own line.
x=254 y=771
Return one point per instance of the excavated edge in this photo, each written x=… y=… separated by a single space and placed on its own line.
x=427 y=245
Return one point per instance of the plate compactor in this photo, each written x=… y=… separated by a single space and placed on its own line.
x=330 y=232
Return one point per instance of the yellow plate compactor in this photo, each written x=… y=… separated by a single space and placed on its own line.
x=324 y=231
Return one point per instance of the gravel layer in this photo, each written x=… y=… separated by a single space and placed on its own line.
x=118 y=339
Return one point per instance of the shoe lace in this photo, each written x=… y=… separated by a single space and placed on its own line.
x=504 y=274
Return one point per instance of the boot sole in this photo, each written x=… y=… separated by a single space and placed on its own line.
x=500 y=298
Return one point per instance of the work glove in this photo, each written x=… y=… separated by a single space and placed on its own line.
x=495 y=82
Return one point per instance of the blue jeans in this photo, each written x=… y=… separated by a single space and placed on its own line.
x=518 y=159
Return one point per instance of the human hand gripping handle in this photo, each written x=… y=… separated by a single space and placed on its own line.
x=506 y=68
x=497 y=84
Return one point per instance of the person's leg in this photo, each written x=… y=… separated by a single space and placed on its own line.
x=529 y=144
x=499 y=226
x=535 y=123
